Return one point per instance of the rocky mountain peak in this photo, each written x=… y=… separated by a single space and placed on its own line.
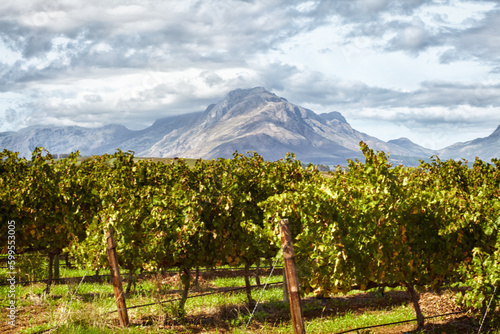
x=240 y=101
x=334 y=115
x=244 y=120
x=496 y=133
x=401 y=141
x=243 y=94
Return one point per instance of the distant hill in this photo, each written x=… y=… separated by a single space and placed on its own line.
x=258 y=120
x=65 y=139
x=484 y=148
x=244 y=120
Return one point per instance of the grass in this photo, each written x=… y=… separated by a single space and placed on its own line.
x=86 y=307
x=334 y=324
x=240 y=281
x=352 y=320
x=65 y=272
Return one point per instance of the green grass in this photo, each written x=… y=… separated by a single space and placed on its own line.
x=31 y=267
x=351 y=320
x=83 y=288
x=232 y=298
x=87 y=310
x=240 y=281
x=344 y=322
x=75 y=272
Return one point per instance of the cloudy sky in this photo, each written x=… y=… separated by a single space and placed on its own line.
x=426 y=70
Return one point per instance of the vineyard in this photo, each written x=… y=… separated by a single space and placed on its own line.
x=368 y=225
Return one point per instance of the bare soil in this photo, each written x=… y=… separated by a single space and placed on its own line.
x=432 y=304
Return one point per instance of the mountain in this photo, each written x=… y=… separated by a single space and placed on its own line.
x=258 y=120
x=411 y=146
x=143 y=140
x=65 y=139
x=484 y=148
x=244 y=120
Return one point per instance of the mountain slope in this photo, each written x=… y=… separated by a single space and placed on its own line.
x=244 y=120
x=484 y=148
x=256 y=119
x=411 y=146
x=247 y=120
x=142 y=140
x=66 y=139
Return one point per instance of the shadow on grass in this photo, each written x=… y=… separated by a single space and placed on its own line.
x=460 y=324
x=270 y=315
x=275 y=313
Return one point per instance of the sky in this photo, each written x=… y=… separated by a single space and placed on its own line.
x=425 y=70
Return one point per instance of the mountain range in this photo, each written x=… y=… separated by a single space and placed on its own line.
x=244 y=120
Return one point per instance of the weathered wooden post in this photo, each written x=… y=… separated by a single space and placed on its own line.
x=116 y=278
x=66 y=260
x=56 y=267
x=292 y=280
x=286 y=298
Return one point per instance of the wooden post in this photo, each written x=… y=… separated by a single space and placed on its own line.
x=116 y=278
x=56 y=267
x=66 y=260
x=292 y=280
x=286 y=299
x=257 y=278
x=46 y=292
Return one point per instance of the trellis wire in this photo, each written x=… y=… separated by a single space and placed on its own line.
x=195 y=296
x=398 y=322
x=262 y=291
x=144 y=273
x=72 y=295
x=62 y=313
x=487 y=309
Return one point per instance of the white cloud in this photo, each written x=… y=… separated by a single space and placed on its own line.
x=385 y=61
x=431 y=127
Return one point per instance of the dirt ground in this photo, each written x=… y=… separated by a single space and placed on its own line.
x=217 y=321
